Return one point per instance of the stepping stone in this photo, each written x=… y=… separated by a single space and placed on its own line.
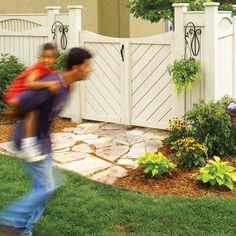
x=87 y=166
x=114 y=127
x=110 y=133
x=112 y=153
x=86 y=137
x=156 y=134
x=137 y=131
x=62 y=136
x=83 y=148
x=127 y=139
x=62 y=144
x=91 y=124
x=139 y=149
x=103 y=145
x=62 y=150
x=110 y=175
x=99 y=141
x=66 y=157
x=85 y=130
x=126 y=162
x=72 y=129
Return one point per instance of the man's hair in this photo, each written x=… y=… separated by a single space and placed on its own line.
x=77 y=56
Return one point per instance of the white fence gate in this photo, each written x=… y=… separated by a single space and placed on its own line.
x=129 y=83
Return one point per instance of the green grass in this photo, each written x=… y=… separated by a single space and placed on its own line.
x=82 y=207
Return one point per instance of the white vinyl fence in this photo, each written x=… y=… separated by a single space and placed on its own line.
x=129 y=83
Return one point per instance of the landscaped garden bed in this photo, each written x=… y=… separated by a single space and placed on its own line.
x=177 y=182
x=202 y=146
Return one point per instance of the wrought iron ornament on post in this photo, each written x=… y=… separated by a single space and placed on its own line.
x=192 y=39
x=57 y=25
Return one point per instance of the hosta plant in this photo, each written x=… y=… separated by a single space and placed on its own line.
x=189 y=153
x=218 y=172
x=155 y=165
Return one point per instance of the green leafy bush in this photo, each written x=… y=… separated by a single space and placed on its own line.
x=10 y=67
x=61 y=61
x=179 y=128
x=155 y=164
x=184 y=72
x=211 y=125
x=217 y=172
x=189 y=153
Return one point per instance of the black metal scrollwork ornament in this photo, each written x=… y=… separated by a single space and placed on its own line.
x=63 y=31
x=192 y=39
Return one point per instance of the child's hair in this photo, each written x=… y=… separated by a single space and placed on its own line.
x=77 y=56
x=49 y=46
x=46 y=47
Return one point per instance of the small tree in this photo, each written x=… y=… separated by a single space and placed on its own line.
x=155 y=10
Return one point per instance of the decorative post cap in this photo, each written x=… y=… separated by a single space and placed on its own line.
x=74 y=7
x=211 y=4
x=53 y=8
x=180 y=4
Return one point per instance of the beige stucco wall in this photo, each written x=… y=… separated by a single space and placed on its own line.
x=113 y=18
x=141 y=28
x=89 y=15
x=106 y=17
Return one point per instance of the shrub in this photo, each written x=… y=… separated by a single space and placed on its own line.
x=61 y=61
x=188 y=153
x=155 y=164
x=226 y=100
x=184 y=72
x=179 y=128
x=10 y=67
x=217 y=172
x=211 y=125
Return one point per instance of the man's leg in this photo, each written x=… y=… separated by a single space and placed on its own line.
x=26 y=212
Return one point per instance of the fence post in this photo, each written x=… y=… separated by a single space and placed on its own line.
x=211 y=54
x=234 y=56
x=75 y=25
x=73 y=106
x=51 y=12
x=179 y=102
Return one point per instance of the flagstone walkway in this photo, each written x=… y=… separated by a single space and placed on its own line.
x=100 y=151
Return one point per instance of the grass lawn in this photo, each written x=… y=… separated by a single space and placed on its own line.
x=82 y=207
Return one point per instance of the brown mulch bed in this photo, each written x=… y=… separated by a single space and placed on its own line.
x=7 y=124
x=178 y=182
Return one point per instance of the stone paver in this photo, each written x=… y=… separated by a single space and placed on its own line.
x=112 y=153
x=114 y=127
x=87 y=166
x=62 y=144
x=126 y=162
x=139 y=149
x=127 y=139
x=110 y=175
x=100 y=151
x=65 y=157
x=83 y=148
x=156 y=134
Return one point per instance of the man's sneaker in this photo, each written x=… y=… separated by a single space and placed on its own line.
x=31 y=154
x=36 y=159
